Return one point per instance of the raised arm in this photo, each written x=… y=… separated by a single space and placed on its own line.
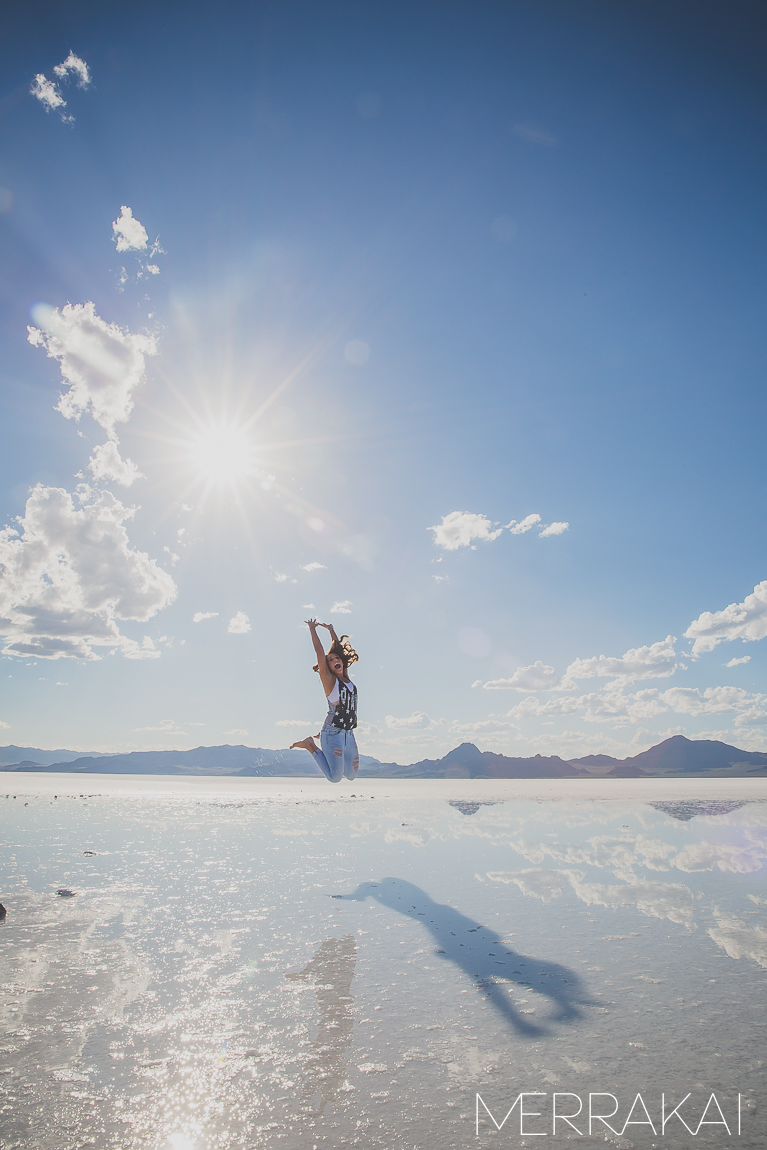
x=327 y=676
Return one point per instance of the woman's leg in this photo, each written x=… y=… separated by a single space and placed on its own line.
x=351 y=757
x=330 y=759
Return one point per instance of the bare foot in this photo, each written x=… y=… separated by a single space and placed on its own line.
x=307 y=744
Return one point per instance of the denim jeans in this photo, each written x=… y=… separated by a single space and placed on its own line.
x=339 y=754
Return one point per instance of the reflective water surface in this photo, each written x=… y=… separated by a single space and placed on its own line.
x=269 y=969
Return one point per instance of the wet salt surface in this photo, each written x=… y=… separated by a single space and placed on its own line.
x=263 y=965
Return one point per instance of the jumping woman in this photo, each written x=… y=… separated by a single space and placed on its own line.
x=339 y=756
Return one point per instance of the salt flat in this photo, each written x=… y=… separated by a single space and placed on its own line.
x=416 y=790
x=212 y=964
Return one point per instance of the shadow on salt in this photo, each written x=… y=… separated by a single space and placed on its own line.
x=464 y=942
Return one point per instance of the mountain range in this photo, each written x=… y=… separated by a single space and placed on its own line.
x=675 y=757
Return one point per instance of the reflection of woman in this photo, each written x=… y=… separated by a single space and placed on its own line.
x=339 y=755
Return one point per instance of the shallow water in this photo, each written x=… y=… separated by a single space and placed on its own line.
x=253 y=968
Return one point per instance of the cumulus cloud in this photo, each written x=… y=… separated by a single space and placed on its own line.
x=519 y=528
x=314 y=567
x=746 y=621
x=73 y=64
x=239 y=624
x=67 y=574
x=537 y=677
x=166 y=725
x=657 y=661
x=483 y=727
x=738 y=662
x=200 y=615
x=621 y=708
x=293 y=723
x=238 y=731
x=131 y=235
x=100 y=362
x=341 y=608
x=417 y=721
x=107 y=463
x=753 y=717
x=48 y=91
x=459 y=528
x=712 y=701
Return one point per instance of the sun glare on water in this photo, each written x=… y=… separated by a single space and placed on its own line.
x=223 y=455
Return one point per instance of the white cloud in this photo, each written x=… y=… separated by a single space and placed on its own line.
x=529 y=707
x=307 y=607
x=657 y=661
x=738 y=662
x=107 y=463
x=77 y=66
x=67 y=574
x=314 y=567
x=459 y=528
x=131 y=235
x=293 y=723
x=417 y=721
x=614 y=706
x=519 y=528
x=240 y=731
x=5 y=726
x=536 y=677
x=167 y=725
x=49 y=93
x=278 y=578
x=746 y=621
x=753 y=717
x=200 y=615
x=101 y=362
x=239 y=624
x=483 y=727
x=341 y=608
x=712 y=701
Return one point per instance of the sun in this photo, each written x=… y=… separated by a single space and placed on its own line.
x=222 y=455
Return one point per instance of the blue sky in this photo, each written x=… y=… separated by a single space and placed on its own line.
x=359 y=290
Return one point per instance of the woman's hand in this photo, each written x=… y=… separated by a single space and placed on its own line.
x=313 y=623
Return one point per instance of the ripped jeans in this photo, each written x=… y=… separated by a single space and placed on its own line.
x=339 y=755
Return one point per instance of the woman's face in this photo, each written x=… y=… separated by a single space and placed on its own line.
x=336 y=664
